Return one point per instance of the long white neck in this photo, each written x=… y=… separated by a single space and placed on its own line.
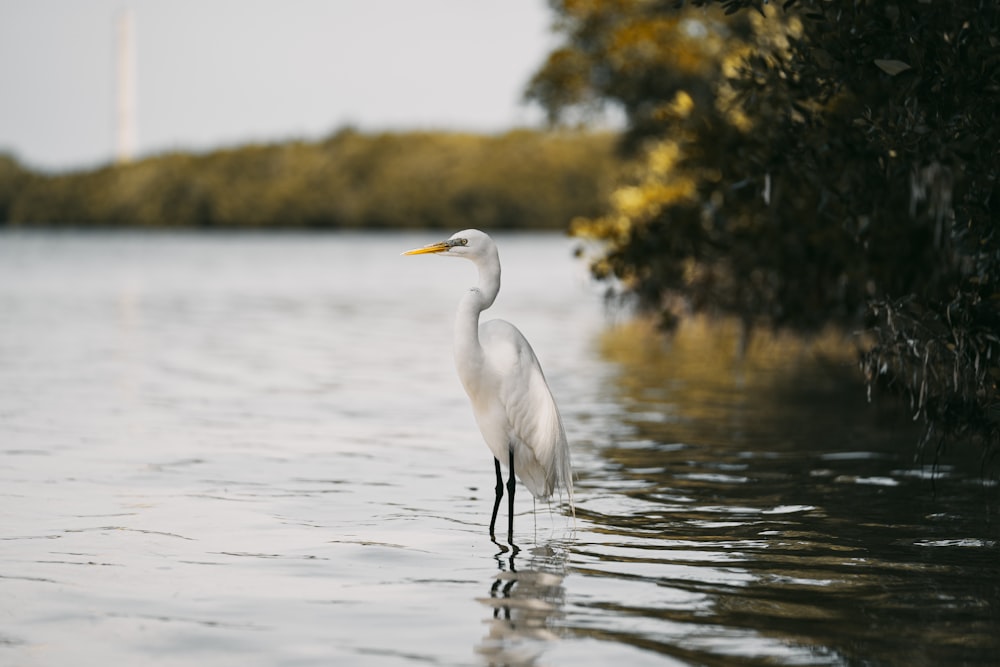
x=476 y=300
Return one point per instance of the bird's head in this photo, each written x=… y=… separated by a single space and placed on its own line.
x=470 y=244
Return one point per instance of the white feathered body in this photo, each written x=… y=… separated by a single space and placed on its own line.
x=514 y=408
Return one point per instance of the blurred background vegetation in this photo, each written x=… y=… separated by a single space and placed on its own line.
x=804 y=164
x=796 y=166
x=522 y=179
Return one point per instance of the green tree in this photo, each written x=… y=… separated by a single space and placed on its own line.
x=827 y=162
x=519 y=179
x=13 y=178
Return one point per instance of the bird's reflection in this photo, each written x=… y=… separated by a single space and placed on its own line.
x=526 y=599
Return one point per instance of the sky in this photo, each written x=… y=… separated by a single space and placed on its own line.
x=217 y=73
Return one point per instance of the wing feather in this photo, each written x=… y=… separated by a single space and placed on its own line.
x=524 y=406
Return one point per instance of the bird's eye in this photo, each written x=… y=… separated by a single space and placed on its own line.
x=455 y=242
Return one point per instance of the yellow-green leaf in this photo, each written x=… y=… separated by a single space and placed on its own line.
x=891 y=67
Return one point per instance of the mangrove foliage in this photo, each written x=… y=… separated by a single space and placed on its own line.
x=802 y=164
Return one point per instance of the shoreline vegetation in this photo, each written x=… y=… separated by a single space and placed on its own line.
x=521 y=179
x=800 y=165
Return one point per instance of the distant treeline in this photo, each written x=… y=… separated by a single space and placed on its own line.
x=520 y=179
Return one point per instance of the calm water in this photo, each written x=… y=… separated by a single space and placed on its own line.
x=254 y=450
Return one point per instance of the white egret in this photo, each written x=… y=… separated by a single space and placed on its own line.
x=510 y=398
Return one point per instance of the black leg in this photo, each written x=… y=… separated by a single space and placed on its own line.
x=510 y=499
x=496 y=501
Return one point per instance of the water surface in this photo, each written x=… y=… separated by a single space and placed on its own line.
x=254 y=450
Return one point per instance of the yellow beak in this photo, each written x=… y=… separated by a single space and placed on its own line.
x=434 y=247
